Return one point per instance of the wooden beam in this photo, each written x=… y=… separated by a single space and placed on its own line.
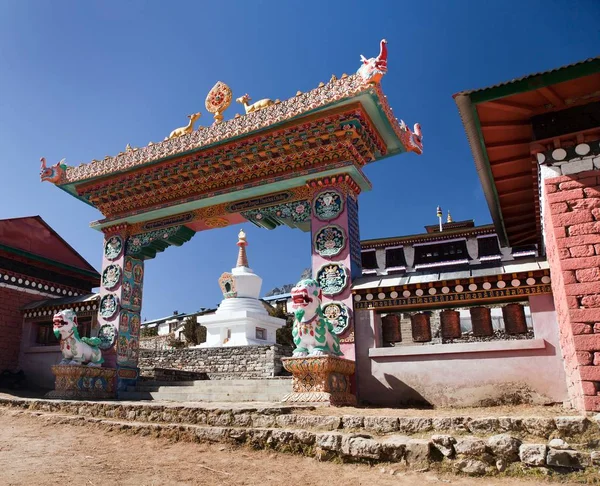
x=512 y=177
x=505 y=125
x=511 y=107
x=509 y=143
x=511 y=160
x=550 y=95
x=529 y=190
x=526 y=237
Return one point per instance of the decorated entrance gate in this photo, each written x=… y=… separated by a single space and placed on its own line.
x=296 y=162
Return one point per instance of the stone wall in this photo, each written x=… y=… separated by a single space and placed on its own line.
x=11 y=323
x=155 y=343
x=223 y=363
x=572 y=231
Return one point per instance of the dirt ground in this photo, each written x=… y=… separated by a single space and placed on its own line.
x=35 y=452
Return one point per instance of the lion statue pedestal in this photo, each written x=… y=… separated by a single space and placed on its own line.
x=319 y=374
x=83 y=382
x=79 y=374
x=320 y=379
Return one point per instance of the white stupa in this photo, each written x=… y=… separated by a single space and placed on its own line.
x=241 y=318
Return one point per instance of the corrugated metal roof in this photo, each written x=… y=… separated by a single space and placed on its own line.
x=528 y=76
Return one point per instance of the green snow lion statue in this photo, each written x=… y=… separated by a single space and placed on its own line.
x=312 y=331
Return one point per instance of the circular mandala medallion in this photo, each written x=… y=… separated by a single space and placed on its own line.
x=109 y=306
x=328 y=205
x=107 y=335
x=111 y=276
x=332 y=278
x=338 y=314
x=330 y=241
x=113 y=247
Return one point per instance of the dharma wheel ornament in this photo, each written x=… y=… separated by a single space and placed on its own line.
x=218 y=100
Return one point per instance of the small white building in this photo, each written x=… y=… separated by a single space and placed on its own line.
x=241 y=318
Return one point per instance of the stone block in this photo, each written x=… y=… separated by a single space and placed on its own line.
x=418 y=451
x=329 y=441
x=414 y=425
x=472 y=467
x=318 y=422
x=567 y=459
x=510 y=423
x=559 y=444
x=361 y=448
x=595 y=456
x=590 y=373
x=393 y=448
x=287 y=420
x=485 y=425
x=505 y=447
x=304 y=437
x=470 y=446
x=533 y=454
x=570 y=426
x=444 y=444
x=584 y=358
x=381 y=425
x=589 y=387
x=352 y=422
x=442 y=423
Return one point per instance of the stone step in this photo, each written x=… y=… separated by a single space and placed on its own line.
x=265 y=390
x=470 y=455
x=574 y=429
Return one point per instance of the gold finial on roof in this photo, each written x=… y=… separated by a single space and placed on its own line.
x=333 y=78
x=449 y=218
x=242 y=260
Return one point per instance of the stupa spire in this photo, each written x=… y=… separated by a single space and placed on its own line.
x=449 y=219
x=242 y=260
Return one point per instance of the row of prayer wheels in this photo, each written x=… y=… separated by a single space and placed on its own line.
x=481 y=320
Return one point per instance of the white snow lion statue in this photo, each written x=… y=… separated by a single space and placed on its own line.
x=75 y=350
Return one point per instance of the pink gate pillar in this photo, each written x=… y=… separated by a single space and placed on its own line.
x=336 y=257
x=572 y=231
x=120 y=306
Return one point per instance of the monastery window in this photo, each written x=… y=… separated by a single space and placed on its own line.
x=488 y=248
x=394 y=258
x=44 y=335
x=261 y=333
x=440 y=254
x=369 y=260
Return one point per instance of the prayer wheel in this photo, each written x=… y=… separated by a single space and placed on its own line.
x=481 y=318
x=421 y=327
x=390 y=329
x=450 y=324
x=514 y=319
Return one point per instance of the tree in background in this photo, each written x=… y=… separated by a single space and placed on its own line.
x=194 y=333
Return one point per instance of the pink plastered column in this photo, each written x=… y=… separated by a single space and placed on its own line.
x=120 y=306
x=572 y=234
x=334 y=230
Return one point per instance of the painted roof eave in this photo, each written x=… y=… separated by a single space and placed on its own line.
x=470 y=121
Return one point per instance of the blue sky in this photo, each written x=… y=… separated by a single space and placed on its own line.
x=82 y=79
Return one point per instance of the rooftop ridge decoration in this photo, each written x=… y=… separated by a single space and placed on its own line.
x=366 y=80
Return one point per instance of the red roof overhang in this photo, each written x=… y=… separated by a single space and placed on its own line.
x=498 y=125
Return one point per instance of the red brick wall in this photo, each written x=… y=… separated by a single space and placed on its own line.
x=572 y=229
x=11 y=325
